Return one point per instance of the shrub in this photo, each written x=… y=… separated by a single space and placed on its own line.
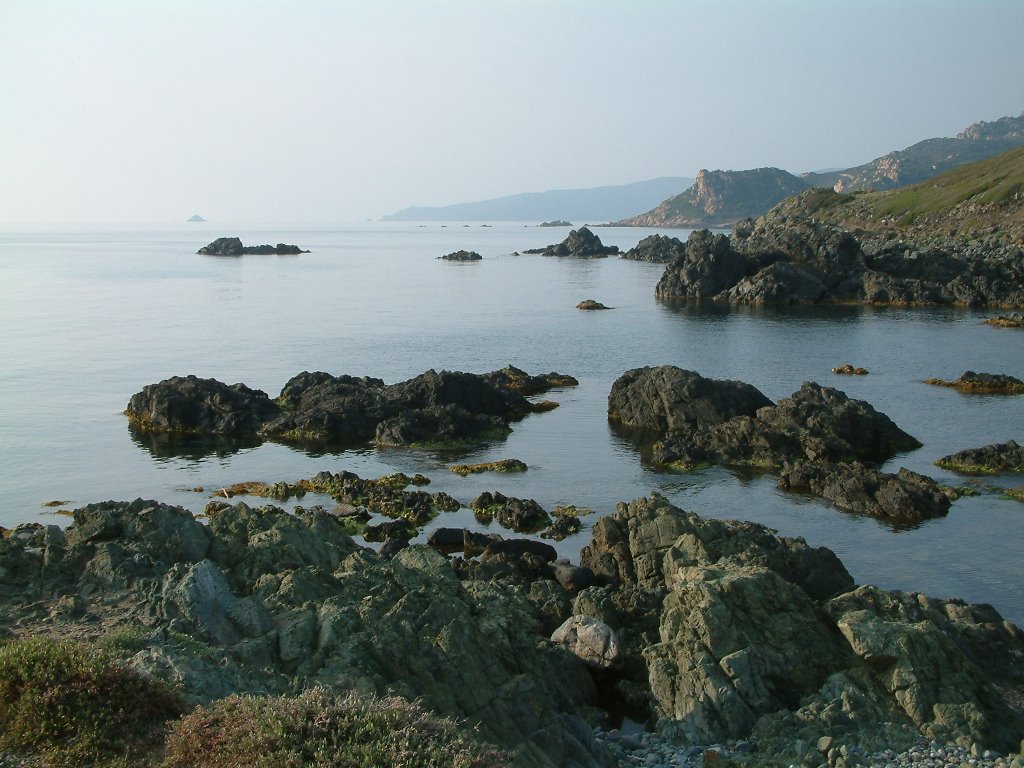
x=77 y=705
x=322 y=730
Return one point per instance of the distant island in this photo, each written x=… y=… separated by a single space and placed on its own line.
x=719 y=199
x=197 y=218
x=596 y=204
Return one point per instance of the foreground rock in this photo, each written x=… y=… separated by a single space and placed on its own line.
x=432 y=408
x=904 y=498
x=982 y=383
x=790 y=256
x=987 y=460
x=262 y=602
x=580 y=244
x=730 y=632
x=462 y=256
x=232 y=246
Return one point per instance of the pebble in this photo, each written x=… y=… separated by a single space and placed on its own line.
x=651 y=750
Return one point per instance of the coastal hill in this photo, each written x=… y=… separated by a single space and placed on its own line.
x=721 y=198
x=955 y=239
x=595 y=204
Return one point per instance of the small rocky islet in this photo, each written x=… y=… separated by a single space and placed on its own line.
x=232 y=246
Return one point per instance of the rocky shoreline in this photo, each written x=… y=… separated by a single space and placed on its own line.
x=738 y=647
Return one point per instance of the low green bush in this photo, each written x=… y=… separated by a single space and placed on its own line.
x=77 y=705
x=319 y=729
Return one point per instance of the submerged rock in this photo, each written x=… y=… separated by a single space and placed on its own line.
x=987 y=460
x=580 y=244
x=232 y=246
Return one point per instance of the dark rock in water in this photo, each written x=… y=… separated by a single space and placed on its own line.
x=731 y=632
x=813 y=424
x=904 y=498
x=983 y=383
x=849 y=370
x=446 y=407
x=667 y=398
x=190 y=405
x=707 y=267
x=987 y=460
x=232 y=246
x=520 y=515
x=580 y=244
x=591 y=304
x=657 y=249
x=262 y=602
x=461 y=256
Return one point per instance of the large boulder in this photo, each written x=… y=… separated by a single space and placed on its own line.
x=817 y=424
x=191 y=405
x=667 y=398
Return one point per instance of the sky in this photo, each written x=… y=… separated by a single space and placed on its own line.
x=334 y=112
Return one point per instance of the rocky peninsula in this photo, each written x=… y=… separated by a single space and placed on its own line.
x=712 y=632
x=232 y=246
x=956 y=240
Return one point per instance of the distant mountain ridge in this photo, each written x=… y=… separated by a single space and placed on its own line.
x=721 y=198
x=595 y=204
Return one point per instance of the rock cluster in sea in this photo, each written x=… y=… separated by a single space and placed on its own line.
x=818 y=438
x=738 y=644
x=461 y=256
x=790 y=257
x=444 y=408
x=232 y=246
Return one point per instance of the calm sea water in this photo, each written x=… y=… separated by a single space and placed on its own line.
x=89 y=318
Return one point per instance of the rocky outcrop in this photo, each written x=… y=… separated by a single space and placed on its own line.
x=461 y=256
x=667 y=398
x=1006 y=321
x=731 y=632
x=262 y=602
x=815 y=423
x=904 y=498
x=658 y=249
x=982 y=383
x=446 y=407
x=232 y=246
x=721 y=198
x=987 y=460
x=555 y=223
x=591 y=304
x=790 y=257
x=502 y=465
x=580 y=244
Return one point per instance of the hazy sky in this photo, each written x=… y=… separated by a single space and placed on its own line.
x=311 y=111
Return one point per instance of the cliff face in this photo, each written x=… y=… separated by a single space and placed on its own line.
x=720 y=198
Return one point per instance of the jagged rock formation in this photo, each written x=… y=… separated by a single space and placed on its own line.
x=445 y=407
x=730 y=632
x=655 y=248
x=721 y=198
x=461 y=256
x=580 y=244
x=232 y=246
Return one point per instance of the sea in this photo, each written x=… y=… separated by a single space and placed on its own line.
x=89 y=316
